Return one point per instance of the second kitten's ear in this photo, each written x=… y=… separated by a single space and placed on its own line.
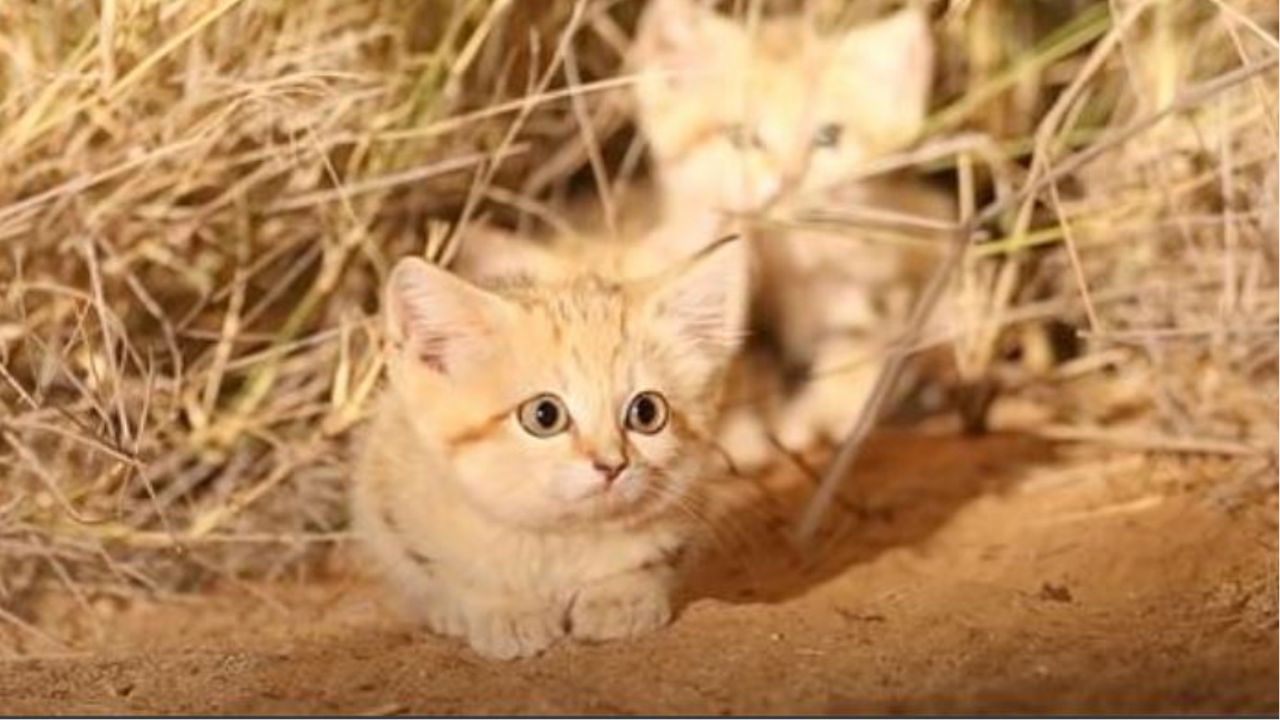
x=440 y=320
x=704 y=302
x=682 y=36
x=891 y=60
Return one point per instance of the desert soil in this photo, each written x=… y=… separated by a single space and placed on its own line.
x=993 y=575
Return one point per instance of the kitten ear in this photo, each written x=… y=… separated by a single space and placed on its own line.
x=891 y=60
x=440 y=320
x=683 y=36
x=705 y=300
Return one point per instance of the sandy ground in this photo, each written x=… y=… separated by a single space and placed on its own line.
x=976 y=576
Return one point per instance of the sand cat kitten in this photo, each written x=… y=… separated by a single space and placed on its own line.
x=533 y=467
x=778 y=117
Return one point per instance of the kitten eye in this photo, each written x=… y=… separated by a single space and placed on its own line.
x=543 y=416
x=742 y=137
x=647 y=413
x=828 y=135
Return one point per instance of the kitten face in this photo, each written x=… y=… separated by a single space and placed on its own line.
x=740 y=118
x=576 y=401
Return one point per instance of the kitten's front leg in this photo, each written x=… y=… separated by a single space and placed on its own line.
x=624 y=605
x=515 y=631
x=744 y=437
x=498 y=627
x=843 y=376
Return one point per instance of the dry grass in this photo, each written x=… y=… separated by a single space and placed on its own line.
x=198 y=200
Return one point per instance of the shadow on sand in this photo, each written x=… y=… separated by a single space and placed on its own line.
x=903 y=489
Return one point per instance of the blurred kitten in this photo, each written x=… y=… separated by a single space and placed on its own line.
x=777 y=118
x=534 y=467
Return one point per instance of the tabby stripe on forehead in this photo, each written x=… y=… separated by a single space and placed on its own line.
x=479 y=431
x=624 y=335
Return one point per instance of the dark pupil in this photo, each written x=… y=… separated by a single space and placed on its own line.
x=546 y=414
x=828 y=135
x=646 y=411
x=743 y=137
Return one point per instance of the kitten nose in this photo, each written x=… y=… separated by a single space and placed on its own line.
x=610 y=468
x=792 y=171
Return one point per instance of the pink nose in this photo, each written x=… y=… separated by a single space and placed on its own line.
x=609 y=470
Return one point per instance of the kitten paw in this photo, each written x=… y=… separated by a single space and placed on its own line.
x=507 y=635
x=623 y=606
x=744 y=439
x=445 y=618
x=797 y=429
x=836 y=408
x=825 y=410
x=496 y=629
